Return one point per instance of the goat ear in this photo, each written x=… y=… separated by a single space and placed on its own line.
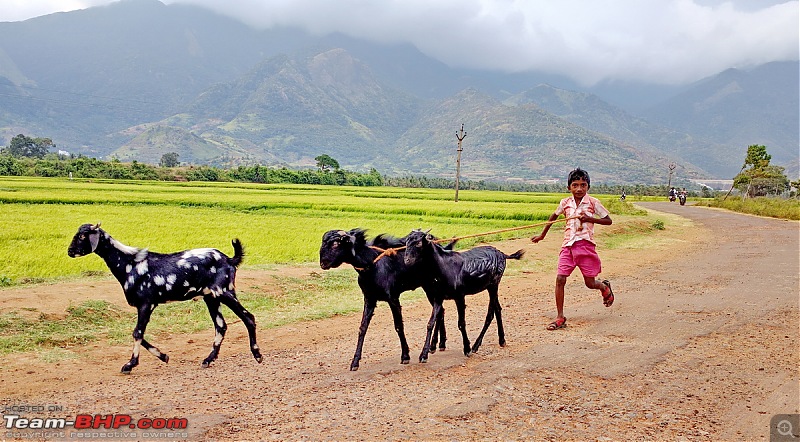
x=94 y=238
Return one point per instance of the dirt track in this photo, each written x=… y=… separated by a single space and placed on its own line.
x=701 y=344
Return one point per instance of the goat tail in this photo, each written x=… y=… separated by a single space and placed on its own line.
x=238 y=253
x=516 y=255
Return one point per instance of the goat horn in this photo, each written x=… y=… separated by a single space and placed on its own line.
x=96 y=226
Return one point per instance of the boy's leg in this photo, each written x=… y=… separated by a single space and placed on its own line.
x=565 y=267
x=604 y=286
x=561 y=282
x=561 y=321
x=593 y=283
x=587 y=259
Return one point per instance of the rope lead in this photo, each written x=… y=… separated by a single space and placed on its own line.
x=393 y=250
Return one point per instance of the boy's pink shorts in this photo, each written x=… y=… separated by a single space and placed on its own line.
x=581 y=254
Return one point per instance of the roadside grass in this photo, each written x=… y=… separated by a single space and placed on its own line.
x=40 y=216
x=761 y=206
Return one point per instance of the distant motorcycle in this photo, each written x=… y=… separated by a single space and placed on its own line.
x=682 y=198
x=672 y=198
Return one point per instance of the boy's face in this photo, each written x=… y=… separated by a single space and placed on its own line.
x=579 y=188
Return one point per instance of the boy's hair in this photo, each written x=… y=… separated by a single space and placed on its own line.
x=578 y=174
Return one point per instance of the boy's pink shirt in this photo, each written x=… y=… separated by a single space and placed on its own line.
x=575 y=230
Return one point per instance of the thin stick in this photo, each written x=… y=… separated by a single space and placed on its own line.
x=393 y=250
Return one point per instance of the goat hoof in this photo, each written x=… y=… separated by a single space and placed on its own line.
x=259 y=359
x=126 y=369
x=206 y=364
x=423 y=360
x=433 y=350
x=405 y=361
x=354 y=368
x=164 y=358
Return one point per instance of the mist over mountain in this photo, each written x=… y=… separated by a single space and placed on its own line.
x=138 y=78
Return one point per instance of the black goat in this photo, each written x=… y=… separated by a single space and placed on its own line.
x=149 y=279
x=383 y=280
x=461 y=274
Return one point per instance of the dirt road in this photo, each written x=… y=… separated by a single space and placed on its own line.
x=701 y=344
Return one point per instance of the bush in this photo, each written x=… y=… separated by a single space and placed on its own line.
x=10 y=166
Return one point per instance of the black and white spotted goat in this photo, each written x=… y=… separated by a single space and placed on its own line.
x=461 y=274
x=149 y=279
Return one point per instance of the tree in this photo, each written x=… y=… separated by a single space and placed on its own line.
x=758 y=177
x=169 y=159
x=22 y=146
x=325 y=163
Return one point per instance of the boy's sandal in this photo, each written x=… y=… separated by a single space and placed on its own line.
x=558 y=323
x=608 y=297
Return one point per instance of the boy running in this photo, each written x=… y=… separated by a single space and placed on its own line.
x=578 y=248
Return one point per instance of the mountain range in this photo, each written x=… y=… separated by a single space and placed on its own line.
x=137 y=79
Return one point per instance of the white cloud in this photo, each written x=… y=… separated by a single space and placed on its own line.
x=17 y=10
x=665 y=41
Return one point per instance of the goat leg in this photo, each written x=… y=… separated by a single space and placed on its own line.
x=426 y=348
x=220 y=327
x=155 y=351
x=439 y=334
x=366 y=317
x=500 y=331
x=489 y=317
x=229 y=299
x=462 y=323
x=397 y=315
x=142 y=318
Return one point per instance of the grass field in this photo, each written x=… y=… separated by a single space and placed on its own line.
x=278 y=224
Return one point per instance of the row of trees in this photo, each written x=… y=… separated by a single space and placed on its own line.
x=84 y=167
x=560 y=187
x=29 y=156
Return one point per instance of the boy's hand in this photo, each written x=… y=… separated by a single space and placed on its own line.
x=537 y=238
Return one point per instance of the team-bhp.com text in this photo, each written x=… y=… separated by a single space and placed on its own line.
x=17 y=426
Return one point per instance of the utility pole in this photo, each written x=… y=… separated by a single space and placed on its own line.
x=671 y=169
x=460 y=135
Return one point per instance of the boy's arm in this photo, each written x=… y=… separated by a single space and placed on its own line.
x=599 y=209
x=605 y=221
x=541 y=236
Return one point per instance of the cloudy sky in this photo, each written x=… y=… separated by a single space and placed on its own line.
x=654 y=41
